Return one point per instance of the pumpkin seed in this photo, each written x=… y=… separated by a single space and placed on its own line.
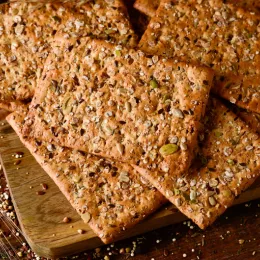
x=166 y=98
x=118 y=53
x=168 y=149
x=193 y=195
x=212 y=201
x=176 y=192
x=218 y=133
x=153 y=84
x=231 y=162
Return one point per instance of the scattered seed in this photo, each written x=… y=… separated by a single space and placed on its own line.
x=121 y=251
x=165 y=252
x=40 y=192
x=17 y=162
x=66 y=220
x=81 y=231
x=241 y=241
x=44 y=186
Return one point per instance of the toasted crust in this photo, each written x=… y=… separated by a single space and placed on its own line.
x=28 y=29
x=251 y=119
x=125 y=105
x=147 y=7
x=251 y=5
x=227 y=164
x=229 y=44
x=111 y=197
x=13 y=106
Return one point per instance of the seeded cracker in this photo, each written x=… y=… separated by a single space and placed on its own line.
x=27 y=30
x=218 y=35
x=227 y=164
x=111 y=197
x=121 y=104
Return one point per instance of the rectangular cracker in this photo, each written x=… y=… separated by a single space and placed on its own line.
x=111 y=197
x=147 y=7
x=119 y=103
x=27 y=30
x=218 y=35
x=227 y=164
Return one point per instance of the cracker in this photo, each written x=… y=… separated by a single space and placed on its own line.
x=111 y=197
x=28 y=29
x=119 y=103
x=147 y=7
x=218 y=35
x=227 y=164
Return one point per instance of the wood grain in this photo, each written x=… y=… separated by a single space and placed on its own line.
x=41 y=216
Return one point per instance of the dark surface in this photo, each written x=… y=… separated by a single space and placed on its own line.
x=220 y=241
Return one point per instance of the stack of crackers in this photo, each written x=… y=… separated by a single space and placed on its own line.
x=123 y=127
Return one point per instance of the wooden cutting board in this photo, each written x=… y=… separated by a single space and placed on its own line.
x=41 y=217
